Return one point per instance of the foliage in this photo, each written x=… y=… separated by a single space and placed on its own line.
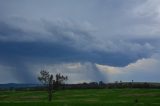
x=47 y=79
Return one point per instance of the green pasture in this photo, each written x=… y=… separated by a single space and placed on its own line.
x=83 y=97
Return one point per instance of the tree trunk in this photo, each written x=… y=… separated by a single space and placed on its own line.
x=50 y=95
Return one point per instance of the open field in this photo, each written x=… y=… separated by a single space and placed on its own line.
x=88 y=97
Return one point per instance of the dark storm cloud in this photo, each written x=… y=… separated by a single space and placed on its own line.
x=58 y=43
x=115 y=33
x=62 y=43
x=59 y=53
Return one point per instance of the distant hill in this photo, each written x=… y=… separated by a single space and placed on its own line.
x=15 y=85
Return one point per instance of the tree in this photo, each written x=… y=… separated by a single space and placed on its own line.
x=50 y=83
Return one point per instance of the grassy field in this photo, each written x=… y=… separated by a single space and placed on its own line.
x=89 y=97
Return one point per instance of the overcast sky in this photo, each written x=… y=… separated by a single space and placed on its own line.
x=87 y=40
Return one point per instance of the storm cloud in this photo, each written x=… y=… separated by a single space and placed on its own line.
x=81 y=34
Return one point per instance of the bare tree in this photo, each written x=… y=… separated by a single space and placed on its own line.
x=59 y=80
x=44 y=77
x=47 y=80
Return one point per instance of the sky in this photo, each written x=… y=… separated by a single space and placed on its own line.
x=87 y=40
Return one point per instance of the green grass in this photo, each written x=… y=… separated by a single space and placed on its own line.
x=88 y=97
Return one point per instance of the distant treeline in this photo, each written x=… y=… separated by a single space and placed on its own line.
x=102 y=85
x=91 y=85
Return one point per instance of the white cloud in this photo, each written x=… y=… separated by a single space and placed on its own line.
x=142 y=70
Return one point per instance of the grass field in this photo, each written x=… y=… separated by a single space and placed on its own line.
x=89 y=97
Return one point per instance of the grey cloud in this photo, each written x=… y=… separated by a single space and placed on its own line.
x=77 y=72
x=104 y=32
x=75 y=40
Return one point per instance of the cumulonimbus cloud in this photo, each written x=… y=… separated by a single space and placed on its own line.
x=113 y=37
